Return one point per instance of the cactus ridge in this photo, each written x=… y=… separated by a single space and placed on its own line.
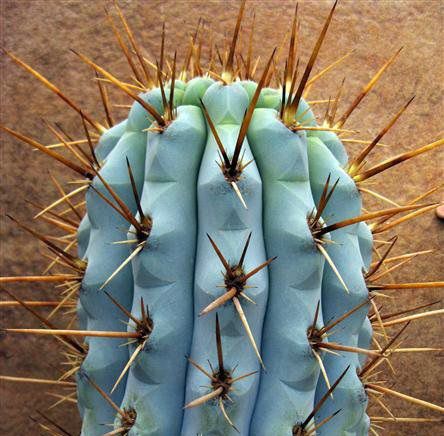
x=224 y=271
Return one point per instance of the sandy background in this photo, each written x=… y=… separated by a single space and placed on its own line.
x=41 y=32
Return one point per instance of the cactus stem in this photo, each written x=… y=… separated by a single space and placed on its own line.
x=366 y=89
x=356 y=162
x=384 y=390
x=100 y=129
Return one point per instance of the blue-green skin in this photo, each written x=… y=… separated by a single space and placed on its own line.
x=106 y=144
x=345 y=253
x=288 y=386
x=229 y=224
x=164 y=273
x=106 y=357
x=155 y=386
x=364 y=233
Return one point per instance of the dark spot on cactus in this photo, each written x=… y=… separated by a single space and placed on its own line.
x=143 y=233
x=222 y=379
x=235 y=278
x=127 y=420
x=314 y=336
x=232 y=173
x=145 y=325
x=298 y=430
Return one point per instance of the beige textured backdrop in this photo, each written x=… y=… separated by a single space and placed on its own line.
x=41 y=33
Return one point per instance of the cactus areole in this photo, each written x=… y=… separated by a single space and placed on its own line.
x=224 y=226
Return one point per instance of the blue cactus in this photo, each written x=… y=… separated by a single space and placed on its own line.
x=225 y=262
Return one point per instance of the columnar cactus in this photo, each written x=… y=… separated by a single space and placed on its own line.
x=224 y=225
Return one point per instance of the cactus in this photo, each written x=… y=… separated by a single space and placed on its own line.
x=224 y=225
